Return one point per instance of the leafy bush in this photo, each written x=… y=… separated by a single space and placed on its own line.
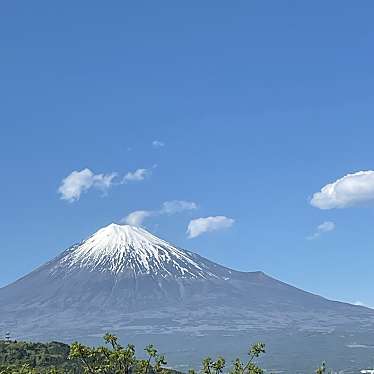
x=112 y=358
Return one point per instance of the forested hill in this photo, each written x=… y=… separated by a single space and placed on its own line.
x=41 y=356
x=51 y=358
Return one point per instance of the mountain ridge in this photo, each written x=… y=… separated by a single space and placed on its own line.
x=126 y=252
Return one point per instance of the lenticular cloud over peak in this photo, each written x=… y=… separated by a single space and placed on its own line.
x=350 y=190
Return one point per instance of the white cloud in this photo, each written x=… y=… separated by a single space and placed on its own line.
x=137 y=175
x=177 y=206
x=200 y=226
x=158 y=144
x=137 y=217
x=352 y=189
x=78 y=182
x=324 y=227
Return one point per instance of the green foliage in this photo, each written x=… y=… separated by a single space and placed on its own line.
x=238 y=367
x=213 y=367
x=35 y=358
x=112 y=358
x=117 y=359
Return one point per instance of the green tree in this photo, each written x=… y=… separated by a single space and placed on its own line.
x=116 y=359
x=249 y=367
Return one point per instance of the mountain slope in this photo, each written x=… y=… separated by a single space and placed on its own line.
x=126 y=280
x=129 y=268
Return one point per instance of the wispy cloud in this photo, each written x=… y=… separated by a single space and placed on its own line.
x=137 y=217
x=176 y=206
x=324 y=227
x=202 y=225
x=350 y=190
x=171 y=207
x=158 y=144
x=136 y=176
x=78 y=182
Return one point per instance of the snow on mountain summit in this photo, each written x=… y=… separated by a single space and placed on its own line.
x=129 y=249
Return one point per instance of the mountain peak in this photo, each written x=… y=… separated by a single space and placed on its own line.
x=115 y=237
x=126 y=249
x=123 y=232
x=117 y=226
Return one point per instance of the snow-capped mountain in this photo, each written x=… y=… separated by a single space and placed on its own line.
x=126 y=280
x=120 y=265
x=127 y=249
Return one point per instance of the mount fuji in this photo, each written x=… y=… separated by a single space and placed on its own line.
x=125 y=280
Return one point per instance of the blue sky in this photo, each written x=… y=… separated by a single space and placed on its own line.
x=258 y=105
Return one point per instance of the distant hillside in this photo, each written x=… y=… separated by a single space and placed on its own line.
x=42 y=356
